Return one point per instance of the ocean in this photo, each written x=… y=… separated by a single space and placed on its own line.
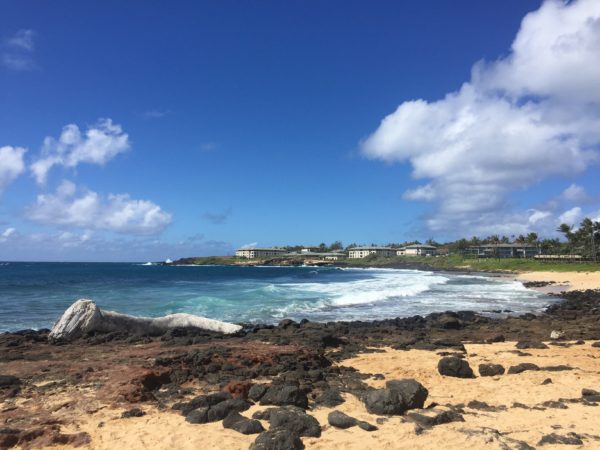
x=34 y=295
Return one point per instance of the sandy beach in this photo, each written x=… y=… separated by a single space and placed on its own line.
x=564 y=281
x=546 y=395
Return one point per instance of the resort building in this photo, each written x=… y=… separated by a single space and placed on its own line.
x=503 y=251
x=252 y=253
x=417 y=250
x=327 y=256
x=361 y=252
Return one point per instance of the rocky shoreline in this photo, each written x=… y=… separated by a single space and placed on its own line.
x=287 y=375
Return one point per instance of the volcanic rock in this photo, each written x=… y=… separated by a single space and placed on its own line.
x=452 y=366
x=490 y=370
x=241 y=424
x=280 y=395
x=553 y=438
x=295 y=421
x=135 y=412
x=412 y=392
x=431 y=417
x=277 y=439
x=519 y=368
x=340 y=420
x=522 y=345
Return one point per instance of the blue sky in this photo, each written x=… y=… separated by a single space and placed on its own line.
x=221 y=124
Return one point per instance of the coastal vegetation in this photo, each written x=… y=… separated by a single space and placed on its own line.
x=459 y=262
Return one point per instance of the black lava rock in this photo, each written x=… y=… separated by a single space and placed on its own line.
x=490 y=370
x=199 y=415
x=135 y=412
x=202 y=401
x=483 y=406
x=384 y=402
x=330 y=398
x=432 y=417
x=295 y=421
x=519 y=368
x=277 y=439
x=257 y=391
x=222 y=410
x=262 y=415
x=413 y=393
x=455 y=367
x=569 y=439
x=241 y=424
x=281 y=395
x=559 y=368
x=217 y=412
x=366 y=426
x=340 y=420
x=522 y=345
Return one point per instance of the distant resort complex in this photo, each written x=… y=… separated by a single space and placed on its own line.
x=500 y=250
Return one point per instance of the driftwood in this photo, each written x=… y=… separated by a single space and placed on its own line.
x=84 y=316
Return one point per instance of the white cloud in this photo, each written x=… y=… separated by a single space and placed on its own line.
x=424 y=193
x=6 y=234
x=248 y=246
x=17 y=51
x=118 y=213
x=537 y=216
x=70 y=239
x=98 y=145
x=11 y=165
x=574 y=194
x=571 y=217
x=519 y=120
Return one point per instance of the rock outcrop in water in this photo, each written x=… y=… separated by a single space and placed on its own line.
x=84 y=317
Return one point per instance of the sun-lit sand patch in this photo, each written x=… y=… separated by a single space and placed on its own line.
x=566 y=281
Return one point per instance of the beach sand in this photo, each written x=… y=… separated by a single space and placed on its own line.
x=564 y=281
x=495 y=429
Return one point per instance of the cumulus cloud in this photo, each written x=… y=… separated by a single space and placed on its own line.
x=99 y=144
x=17 y=50
x=11 y=165
x=250 y=245
x=87 y=209
x=571 y=217
x=7 y=234
x=519 y=120
x=575 y=194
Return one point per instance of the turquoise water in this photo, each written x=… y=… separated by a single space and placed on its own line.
x=34 y=295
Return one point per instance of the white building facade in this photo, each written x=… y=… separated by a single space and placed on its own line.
x=252 y=253
x=362 y=252
x=417 y=250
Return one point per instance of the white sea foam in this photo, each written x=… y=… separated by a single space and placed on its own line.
x=383 y=285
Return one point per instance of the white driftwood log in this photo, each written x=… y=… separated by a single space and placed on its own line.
x=84 y=316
